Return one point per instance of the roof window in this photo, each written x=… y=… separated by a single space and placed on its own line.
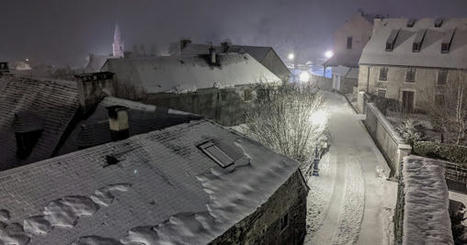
x=391 y=41
x=216 y=154
x=417 y=44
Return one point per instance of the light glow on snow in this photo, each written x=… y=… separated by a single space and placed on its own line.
x=304 y=76
x=319 y=118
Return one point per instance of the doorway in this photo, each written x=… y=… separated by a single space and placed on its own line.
x=408 y=101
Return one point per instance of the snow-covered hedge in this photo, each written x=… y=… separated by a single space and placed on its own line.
x=452 y=153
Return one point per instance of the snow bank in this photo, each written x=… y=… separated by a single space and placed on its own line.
x=426 y=215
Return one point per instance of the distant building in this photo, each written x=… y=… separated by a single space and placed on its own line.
x=117 y=46
x=195 y=183
x=412 y=60
x=220 y=86
x=349 y=41
x=96 y=61
x=4 y=68
x=264 y=55
x=44 y=118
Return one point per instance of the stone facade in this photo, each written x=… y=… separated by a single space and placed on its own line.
x=425 y=87
x=282 y=220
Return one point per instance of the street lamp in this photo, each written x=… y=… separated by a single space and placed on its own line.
x=291 y=56
x=328 y=54
x=304 y=76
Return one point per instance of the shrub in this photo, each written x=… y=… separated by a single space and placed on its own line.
x=448 y=152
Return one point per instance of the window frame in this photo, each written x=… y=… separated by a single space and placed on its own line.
x=349 y=42
x=445 y=77
x=381 y=89
x=381 y=72
x=411 y=70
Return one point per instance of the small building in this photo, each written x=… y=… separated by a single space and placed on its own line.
x=412 y=60
x=45 y=118
x=4 y=68
x=195 y=183
x=349 y=41
x=264 y=55
x=219 y=86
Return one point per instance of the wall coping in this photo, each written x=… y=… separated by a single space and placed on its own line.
x=387 y=125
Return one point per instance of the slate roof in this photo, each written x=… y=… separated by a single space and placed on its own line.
x=151 y=188
x=189 y=73
x=343 y=59
x=276 y=65
x=430 y=54
x=142 y=118
x=45 y=104
x=95 y=63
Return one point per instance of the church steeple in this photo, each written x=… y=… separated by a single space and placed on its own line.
x=117 y=46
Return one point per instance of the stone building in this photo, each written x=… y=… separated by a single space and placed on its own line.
x=349 y=41
x=412 y=60
x=194 y=183
x=219 y=86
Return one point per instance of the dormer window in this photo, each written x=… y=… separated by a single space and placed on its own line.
x=447 y=41
x=28 y=130
x=417 y=44
x=391 y=41
x=439 y=22
x=411 y=23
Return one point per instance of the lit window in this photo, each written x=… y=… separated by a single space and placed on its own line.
x=383 y=74
x=410 y=75
x=442 y=77
x=349 y=42
x=216 y=154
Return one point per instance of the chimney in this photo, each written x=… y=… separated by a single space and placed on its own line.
x=118 y=122
x=92 y=87
x=225 y=46
x=184 y=43
x=212 y=55
x=4 y=68
x=28 y=129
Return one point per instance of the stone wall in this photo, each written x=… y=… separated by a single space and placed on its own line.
x=425 y=85
x=226 y=106
x=323 y=83
x=390 y=143
x=264 y=225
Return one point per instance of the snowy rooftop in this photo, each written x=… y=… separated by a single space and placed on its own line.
x=149 y=189
x=51 y=104
x=426 y=216
x=423 y=31
x=189 y=73
x=142 y=118
x=95 y=62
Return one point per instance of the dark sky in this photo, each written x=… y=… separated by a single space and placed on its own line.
x=65 y=31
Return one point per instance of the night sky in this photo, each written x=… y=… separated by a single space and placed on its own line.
x=64 y=31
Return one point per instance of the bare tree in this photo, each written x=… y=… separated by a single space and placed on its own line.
x=447 y=107
x=282 y=120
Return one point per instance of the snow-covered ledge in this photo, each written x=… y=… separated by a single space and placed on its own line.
x=426 y=202
x=391 y=144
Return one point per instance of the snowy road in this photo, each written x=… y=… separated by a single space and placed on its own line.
x=351 y=202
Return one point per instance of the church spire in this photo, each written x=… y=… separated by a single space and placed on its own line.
x=117 y=46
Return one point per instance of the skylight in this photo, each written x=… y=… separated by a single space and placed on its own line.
x=216 y=154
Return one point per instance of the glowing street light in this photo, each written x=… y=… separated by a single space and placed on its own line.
x=304 y=76
x=328 y=54
x=291 y=56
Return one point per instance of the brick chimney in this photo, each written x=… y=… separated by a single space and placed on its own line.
x=92 y=87
x=225 y=46
x=118 y=122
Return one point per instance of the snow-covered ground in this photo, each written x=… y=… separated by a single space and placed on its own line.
x=351 y=202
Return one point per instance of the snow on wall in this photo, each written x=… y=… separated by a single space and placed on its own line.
x=426 y=215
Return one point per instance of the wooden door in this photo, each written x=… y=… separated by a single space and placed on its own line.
x=408 y=101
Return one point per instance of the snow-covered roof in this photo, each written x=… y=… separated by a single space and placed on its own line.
x=424 y=32
x=142 y=118
x=343 y=59
x=95 y=62
x=189 y=73
x=149 y=189
x=53 y=105
x=426 y=215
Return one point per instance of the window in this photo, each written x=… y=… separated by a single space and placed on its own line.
x=417 y=44
x=447 y=40
x=284 y=222
x=391 y=41
x=247 y=95
x=439 y=22
x=383 y=74
x=381 y=93
x=442 y=77
x=439 y=99
x=349 y=42
x=216 y=154
x=410 y=75
x=411 y=22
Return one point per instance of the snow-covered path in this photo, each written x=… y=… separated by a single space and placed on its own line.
x=351 y=202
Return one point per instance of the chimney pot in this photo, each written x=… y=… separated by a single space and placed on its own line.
x=118 y=122
x=213 y=55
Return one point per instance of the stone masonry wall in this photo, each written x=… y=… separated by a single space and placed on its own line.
x=264 y=226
